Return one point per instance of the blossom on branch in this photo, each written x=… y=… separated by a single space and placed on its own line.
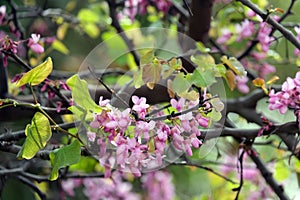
x=34 y=45
x=288 y=97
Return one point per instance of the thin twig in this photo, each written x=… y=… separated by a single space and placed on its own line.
x=189 y=163
x=111 y=91
x=238 y=189
x=115 y=23
x=188 y=7
x=32 y=186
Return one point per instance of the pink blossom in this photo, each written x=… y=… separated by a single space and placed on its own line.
x=113 y=188
x=70 y=184
x=131 y=8
x=49 y=40
x=245 y=30
x=288 y=85
x=242 y=84
x=163 y=5
x=143 y=128
x=225 y=36
x=91 y=136
x=287 y=97
x=178 y=104
x=34 y=45
x=258 y=55
x=102 y=102
x=2 y=13
x=158 y=185
x=59 y=105
x=251 y=13
x=7 y=44
x=203 y=121
x=140 y=106
x=102 y=146
x=263 y=36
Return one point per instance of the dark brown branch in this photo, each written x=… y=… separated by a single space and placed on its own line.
x=278 y=189
x=12 y=148
x=238 y=189
x=115 y=23
x=189 y=163
x=262 y=168
x=32 y=186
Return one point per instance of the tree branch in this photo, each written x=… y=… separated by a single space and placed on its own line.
x=266 y=17
x=115 y=23
x=278 y=189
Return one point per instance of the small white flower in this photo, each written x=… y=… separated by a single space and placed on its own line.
x=35 y=37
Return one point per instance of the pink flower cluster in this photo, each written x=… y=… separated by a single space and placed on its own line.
x=131 y=144
x=288 y=97
x=7 y=44
x=134 y=7
x=246 y=30
x=113 y=188
x=158 y=185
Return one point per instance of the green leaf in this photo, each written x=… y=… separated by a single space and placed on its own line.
x=65 y=156
x=282 y=171
x=36 y=75
x=147 y=57
x=180 y=84
x=81 y=95
x=214 y=115
x=37 y=135
x=59 y=46
x=201 y=78
x=184 y=179
x=88 y=16
x=137 y=79
x=151 y=73
x=204 y=61
x=91 y=29
x=220 y=70
x=174 y=65
x=202 y=48
x=197 y=79
x=234 y=65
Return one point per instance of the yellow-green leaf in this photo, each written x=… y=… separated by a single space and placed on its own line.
x=151 y=73
x=59 y=46
x=230 y=79
x=147 y=57
x=88 y=16
x=36 y=75
x=234 y=65
x=180 y=84
x=37 y=135
x=282 y=171
x=65 y=156
x=81 y=95
x=91 y=29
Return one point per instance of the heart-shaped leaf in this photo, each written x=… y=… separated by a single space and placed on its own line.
x=65 y=156
x=37 y=135
x=36 y=75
